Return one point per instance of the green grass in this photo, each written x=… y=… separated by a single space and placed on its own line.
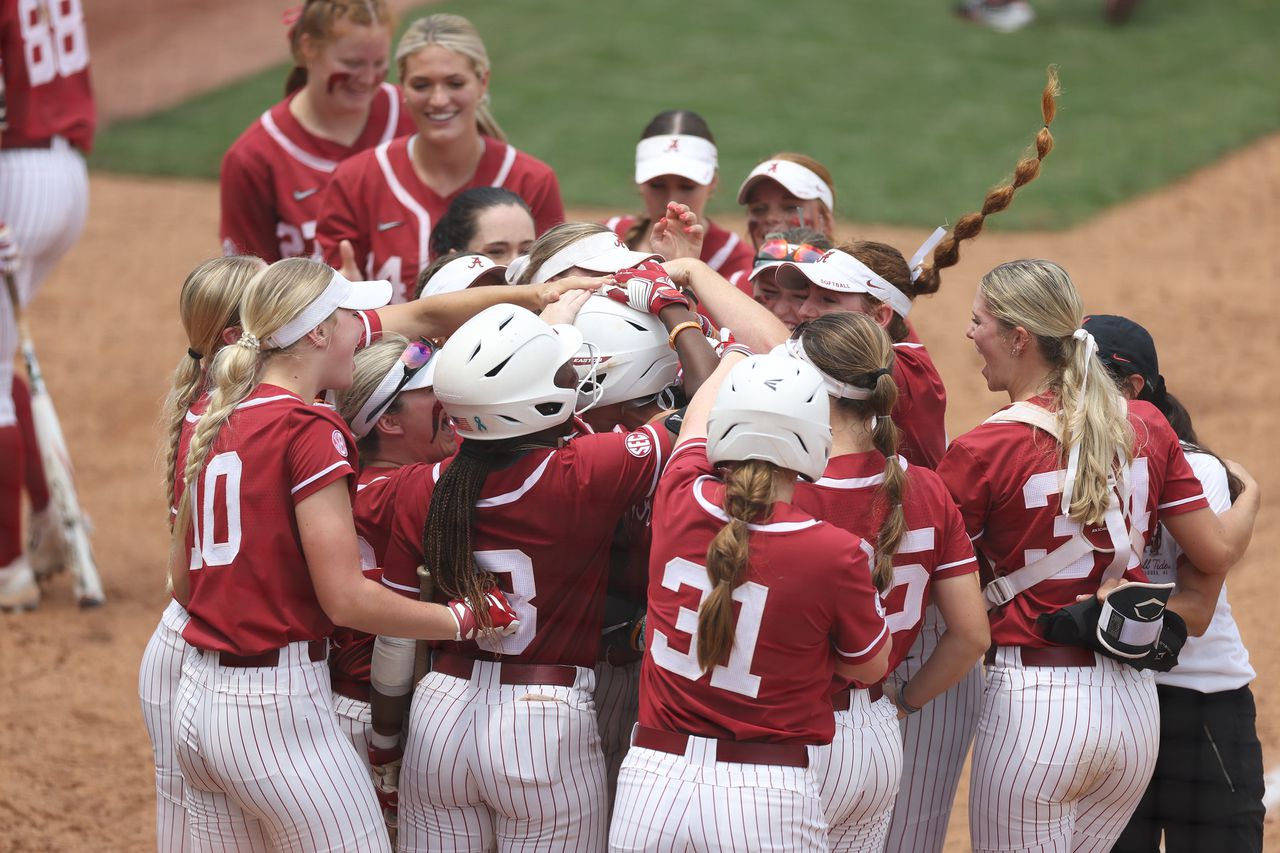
x=915 y=112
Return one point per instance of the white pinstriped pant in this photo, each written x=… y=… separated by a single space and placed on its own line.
x=265 y=764
x=513 y=766
x=692 y=802
x=355 y=718
x=935 y=742
x=157 y=687
x=44 y=199
x=1063 y=755
x=858 y=774
x=617 y=709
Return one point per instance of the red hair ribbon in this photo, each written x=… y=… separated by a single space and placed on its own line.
x=290 y=16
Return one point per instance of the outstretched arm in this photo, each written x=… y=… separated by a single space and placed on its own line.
x=752 y=324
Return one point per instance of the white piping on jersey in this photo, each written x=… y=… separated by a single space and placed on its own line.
x=909 y=345
x=406 y=200
x=771 y=527
x=318 y=475
x=361 y=486
x=857 y=482
x=956 y=563
x=517 y=494
x=291 y=148
x=249 y=404
x=507 y=162
x=393 y=114
x=399 y=586
x=872 y=645
x=1183 y=501
x=718 y=259
x=658 y=463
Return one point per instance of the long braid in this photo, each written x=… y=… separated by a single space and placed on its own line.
x=947 y=252
x=748 y=496
x=885 y=435
x=188 y=381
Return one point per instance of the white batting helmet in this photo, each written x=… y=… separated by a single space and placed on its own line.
x=495 y=376
x=775 y=408
x=631 y=355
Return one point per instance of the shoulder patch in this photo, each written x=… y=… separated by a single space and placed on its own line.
x=639 y=444
x=339 y=443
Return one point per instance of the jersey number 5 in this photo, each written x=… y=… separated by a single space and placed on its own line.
x=56 y=47
x=750 y=596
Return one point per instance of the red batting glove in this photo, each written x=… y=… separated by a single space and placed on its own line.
x=10 y=257
x=646 y=287
x=504 y=618
x=385 y=764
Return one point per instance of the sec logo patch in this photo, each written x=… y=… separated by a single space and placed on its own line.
x=639 y=444
x=339 y=443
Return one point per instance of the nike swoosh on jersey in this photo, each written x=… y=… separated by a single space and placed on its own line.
x=299 y=195
x=387 y=226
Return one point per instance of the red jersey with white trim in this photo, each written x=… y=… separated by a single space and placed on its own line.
x=251 y=590
x=935 y=546
x=806 y=598
x=921 y=410
x=543 y=527
x=1006 y=479
x=722 y=250
x=274 y=176
x=44 y=59
x=377 y=201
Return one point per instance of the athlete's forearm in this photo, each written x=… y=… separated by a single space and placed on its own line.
x=374 y=609
x=697 y=359
x=950 y=661
x=750 y=322
x=1196 y=597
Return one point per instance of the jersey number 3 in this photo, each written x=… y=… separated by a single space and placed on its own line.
x=750 y=596
x=54 y=47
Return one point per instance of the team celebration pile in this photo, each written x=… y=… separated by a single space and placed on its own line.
x=493 y=531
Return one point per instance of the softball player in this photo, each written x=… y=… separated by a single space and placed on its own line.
x=522 y=504
x=490 y=221
x=1067 y=737
x=797 y=245
x=731 y=705
x=387 y=201
x=676 y=161
x=923 y=557
x=336 y=105
x=45 y=131
x=261 y=597
x=1206 y=792
x=788 y=191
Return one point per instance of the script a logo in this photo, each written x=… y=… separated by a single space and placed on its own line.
x=673 y=147
x=826 y=256
x=475 y=262
x=773 y=169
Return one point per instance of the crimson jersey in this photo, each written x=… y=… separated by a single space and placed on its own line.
x=1006 y=479
x=377 y=201
x=921 y=410
x=722 y=250
x=807 y=598
x=543 y=527
x=44 y=58
x=251 y=590
x=935 y=546
x=273 y=176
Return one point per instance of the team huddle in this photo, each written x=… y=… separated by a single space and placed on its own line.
x=497 y=532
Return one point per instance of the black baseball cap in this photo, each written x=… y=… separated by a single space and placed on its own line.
x=1126 y=348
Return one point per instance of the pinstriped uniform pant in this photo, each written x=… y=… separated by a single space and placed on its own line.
x=1063 y=755
x=858 y=774
x=513 y=766
x=265 y=764
x=691 y=802
x=617 y=708
x=157 y=688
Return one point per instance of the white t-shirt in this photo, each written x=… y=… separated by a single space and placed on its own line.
x=1218 y=660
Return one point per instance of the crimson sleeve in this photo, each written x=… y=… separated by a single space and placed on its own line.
x=404 y=514
x=621 y=468
x=320 y=451
x=858 y=629
x=1182 y=490
x=248 y=221
x=340 y=219
x=965 y=478
x=954 y=553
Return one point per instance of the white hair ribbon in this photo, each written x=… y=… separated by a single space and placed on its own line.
x=835 y=388
x=917 y=260
x=1073 y=457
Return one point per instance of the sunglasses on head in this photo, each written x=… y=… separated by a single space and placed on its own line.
x=412 y=360
x=777 y=249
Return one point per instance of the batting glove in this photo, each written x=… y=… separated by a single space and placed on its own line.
x=503 y=617
x=385 y=764
x=646 y=287
x=10 y=257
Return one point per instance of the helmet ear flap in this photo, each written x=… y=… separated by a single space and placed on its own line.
x=632 y=357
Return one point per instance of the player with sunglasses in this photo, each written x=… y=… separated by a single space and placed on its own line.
x=795 y=245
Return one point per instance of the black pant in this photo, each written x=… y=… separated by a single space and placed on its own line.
x=1206 y=794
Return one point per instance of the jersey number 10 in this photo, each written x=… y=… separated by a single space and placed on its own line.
x=57 y=47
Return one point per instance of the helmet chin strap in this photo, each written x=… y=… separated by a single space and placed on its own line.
x=597 y=390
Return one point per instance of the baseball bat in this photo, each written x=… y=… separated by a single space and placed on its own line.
x=63 y=499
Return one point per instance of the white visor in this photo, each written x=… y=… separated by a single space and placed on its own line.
x=689 y=157
x=463 y=273
x=354 y=295
x=601 y=253
x=844 y=273
x=379 y=400
x=801 y=182
x=794 y=347
x=517 y=266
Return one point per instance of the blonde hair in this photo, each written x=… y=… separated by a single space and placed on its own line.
x=455 y=33
x=318 y=19
x=749 y=489
x=371 y=367
x=272 y=298
x=852 y=348
x=1039 y=297
x=562 y=236
x=208 y=304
